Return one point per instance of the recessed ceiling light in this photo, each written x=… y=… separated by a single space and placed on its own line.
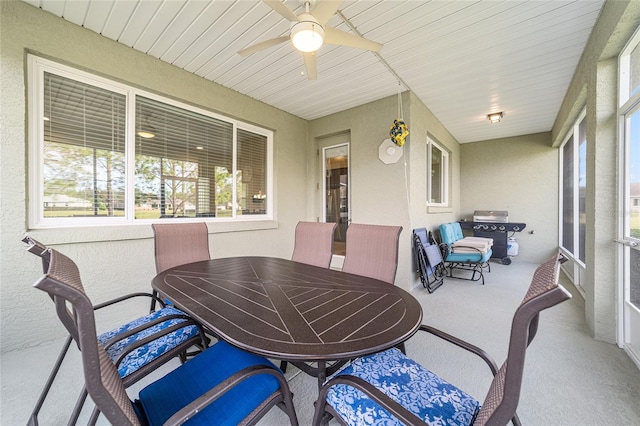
x=146 y=134
x=495 y=117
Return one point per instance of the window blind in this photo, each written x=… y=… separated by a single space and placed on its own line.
x=84 y=149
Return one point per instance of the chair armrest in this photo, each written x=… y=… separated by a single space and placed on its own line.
x=126 y=297
x=211 y=395
x=464 y=345
x=404 y=415
x=160 y=333
x=444 y=250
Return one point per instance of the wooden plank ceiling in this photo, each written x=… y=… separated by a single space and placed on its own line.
x=463 y=59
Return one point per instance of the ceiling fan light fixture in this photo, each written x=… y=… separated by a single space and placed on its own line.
x=307 y=35
x=495 y=117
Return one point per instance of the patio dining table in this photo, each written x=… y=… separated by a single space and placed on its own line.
x=292 y=311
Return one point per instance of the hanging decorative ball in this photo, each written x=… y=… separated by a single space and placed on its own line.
x=399 y=131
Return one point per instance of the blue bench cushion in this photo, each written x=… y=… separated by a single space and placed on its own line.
x=452 y=232
x=163 y=398
x=469 y=257
x=141 y=356
x=408 y=383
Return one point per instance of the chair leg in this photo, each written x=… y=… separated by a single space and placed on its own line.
x=283 y=366
x=75 y=414
x=33 y=420
x=516 y=420
x=94 y=416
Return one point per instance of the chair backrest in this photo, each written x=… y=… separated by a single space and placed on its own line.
x=66 y=316
x=450 y=233
x=62 y=282
x=180 y=243
x=314 y=243
x=39 y=249
x=544 y=292
x=422 y=234
x=372 y=251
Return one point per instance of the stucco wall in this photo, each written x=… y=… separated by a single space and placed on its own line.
x=378 y=190
x=519 y=175
x=594 y=84
x=116 y=260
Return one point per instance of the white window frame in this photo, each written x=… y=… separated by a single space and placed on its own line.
x=576 y=269
x=627 y=105
x=37 y=66
x=444 y=178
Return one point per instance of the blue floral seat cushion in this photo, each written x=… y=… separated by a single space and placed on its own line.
x=417 y=389
x=141 y=356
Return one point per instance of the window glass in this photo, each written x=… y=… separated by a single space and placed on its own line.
x=437 y=174
x=252 y=165
x=104 y=152
x=83 y=169
x=582 y=187
x=634 y=71
x=179 y=154
x=567 y=195
x=633 y=175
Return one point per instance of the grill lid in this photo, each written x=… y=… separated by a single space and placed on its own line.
x=495 y=216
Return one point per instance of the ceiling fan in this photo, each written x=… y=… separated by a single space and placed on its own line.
x=309 y=32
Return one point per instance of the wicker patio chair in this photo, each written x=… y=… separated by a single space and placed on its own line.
x=391 y=388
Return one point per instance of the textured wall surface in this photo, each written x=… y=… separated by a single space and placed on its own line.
x=594 y=85
x=519 y=175
x=379 y=191
x=115 y=260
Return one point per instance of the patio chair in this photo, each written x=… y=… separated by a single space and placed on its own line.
x=429 y=262
x=136 y=348
x=314 y=243
x=465 y=253
x=179 y=243
x=372 y=251
x=391 y=388
x=222 y=385
x=313 y=246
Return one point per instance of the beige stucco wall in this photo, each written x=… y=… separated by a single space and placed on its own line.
x=379 y=191
x=116 y=260
x=594 y=85
x=519 y=175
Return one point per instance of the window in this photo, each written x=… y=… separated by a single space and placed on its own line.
x=573 y=164
x=437 y=174
x=103 y=152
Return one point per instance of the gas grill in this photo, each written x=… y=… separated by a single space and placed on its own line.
x=494 y=224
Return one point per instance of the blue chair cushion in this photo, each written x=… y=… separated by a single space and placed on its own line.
x=452 y=232
x=469 y=257
x=417 y=389
x=141 y=356
x=448 y=234
x=163 y=398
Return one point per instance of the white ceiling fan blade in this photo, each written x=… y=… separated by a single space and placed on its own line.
x=262 y=45
x=283 y=10
x=310 y=65
x=325 y=10
x=342 y=38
